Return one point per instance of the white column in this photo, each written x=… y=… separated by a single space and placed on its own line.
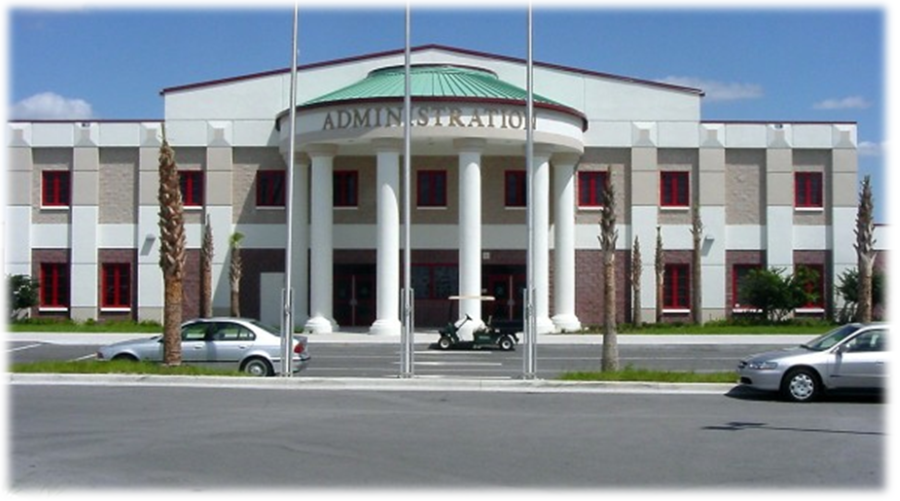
x=300 y=246
x=541 y=245
x=387 y=307
x=564 y=244
x=470 y=227
x=321 y=241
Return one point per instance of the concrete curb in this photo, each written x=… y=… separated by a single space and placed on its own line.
x=369 y=384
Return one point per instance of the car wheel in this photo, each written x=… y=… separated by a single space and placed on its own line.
x=258 y=367
x=801 y=385
x=125 y=357
x=445 y=343
x=506 y=343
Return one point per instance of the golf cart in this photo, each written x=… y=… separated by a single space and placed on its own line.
x=502 y=334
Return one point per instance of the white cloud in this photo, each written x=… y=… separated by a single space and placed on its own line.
x=846 y=103
x=51 y=106
x=869 y=149
x=718 y=91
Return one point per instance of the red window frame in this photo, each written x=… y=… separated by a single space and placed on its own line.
x=808 y=189
x=591 y=188
x=515 y=188
x=677 y=287
x=116 y=285
x=346 y=188
x=674 y=189
x=54 y=285
x=737 y=272
x=191 y=184
x=431 y=188
x=270 y=188
x=816 y=285
x=56 y=186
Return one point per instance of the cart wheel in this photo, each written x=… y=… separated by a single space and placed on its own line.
x=445 y=343
x=506 y=343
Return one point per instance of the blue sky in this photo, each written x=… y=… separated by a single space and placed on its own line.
x=808 y=63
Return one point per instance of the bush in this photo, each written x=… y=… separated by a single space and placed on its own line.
x=23 y=294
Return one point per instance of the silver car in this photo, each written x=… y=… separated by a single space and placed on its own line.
x=228 y=343
x=851 y=356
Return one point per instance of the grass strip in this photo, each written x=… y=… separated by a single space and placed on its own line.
x=631 y=374
x=117 y=367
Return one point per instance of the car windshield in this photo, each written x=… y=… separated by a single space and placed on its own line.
x=831 y=338
x=266 y=327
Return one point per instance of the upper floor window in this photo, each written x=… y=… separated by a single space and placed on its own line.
x=54 y=284
x=674 y=189
x=346 y=188
x=516 y=196
x=808 y=189
x=677 y=287
x=55 y=188
x=116 y=287
x=432 y=188
x=191 y=182
x=270 y=188
x=591 y=186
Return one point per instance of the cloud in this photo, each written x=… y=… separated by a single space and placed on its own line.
x=846 y=103
x=870 y=149
x=718 y=91
x=51 y=106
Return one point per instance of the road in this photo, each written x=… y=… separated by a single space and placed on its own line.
x=138 y=437
x=383 y=359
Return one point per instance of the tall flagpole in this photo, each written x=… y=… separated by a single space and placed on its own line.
x=407 y=333
x=528 y=361
x=287 y=320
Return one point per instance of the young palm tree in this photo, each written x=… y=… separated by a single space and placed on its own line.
x=637 y=316
x=235 y=275
x=660 y=265
x=171 y=252
x=696 y=270
x=608 y=237
x=206 y=257
x=865 y=250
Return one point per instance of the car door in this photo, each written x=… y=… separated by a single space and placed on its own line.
x=861 y=362
x=229 y=344
x=193 y=343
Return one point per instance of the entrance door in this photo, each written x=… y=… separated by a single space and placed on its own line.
x=354 y=297
x=507 y=291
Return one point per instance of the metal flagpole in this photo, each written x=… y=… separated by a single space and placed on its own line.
x=287 y=319
x=530 y=326
x=407 y=297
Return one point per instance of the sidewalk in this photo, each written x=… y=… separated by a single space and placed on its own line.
x=72 y=338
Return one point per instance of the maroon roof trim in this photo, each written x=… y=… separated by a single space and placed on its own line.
x=767 y=122
x=431 y=47
x=84 y=121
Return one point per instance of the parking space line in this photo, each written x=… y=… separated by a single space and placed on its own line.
x=25 y=347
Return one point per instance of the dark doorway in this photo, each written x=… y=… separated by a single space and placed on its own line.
x=354 y=295
x=505 y=283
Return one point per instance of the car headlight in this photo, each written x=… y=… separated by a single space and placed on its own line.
x=762 y=366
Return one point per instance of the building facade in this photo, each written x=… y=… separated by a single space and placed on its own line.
x=82 y=213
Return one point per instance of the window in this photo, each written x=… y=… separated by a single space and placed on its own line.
x=591 y=186
x=346 y=189
x=432 y=188
x=54 y=283
x=116 y=287
x=676 y=287
x=55 y=188
x=232 y=332
x=516 y=196
x=808 y=189
x=435 y=281
x=270 y=188
x=674 y=189
x=814 y=284
x=739 y=274
x=191 y=182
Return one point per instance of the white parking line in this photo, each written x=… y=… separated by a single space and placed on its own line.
x=24 y=347
x=84 y=358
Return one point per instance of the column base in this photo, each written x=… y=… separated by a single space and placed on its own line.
x=566 y=323
x=319 y=325
x=386 y=327
x=545 y=325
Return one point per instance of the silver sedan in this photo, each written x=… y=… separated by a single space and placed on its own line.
x=851 y=356
x=229 y=343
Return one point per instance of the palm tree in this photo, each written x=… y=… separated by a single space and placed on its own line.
x=608 y=237
x=637 y=317
x=696 y=270
x=865 y=250
x=206 y=257
x=236 y=271
x=171 y=252
x=660 y=265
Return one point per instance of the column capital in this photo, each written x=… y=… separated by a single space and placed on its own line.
x=470 y=144
x=387 y=144
x=320 y=150
x=543 y=150
x=566 y=159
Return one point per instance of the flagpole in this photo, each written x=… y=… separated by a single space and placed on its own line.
x=530 y=326
x=407 y=296
x=287 y=322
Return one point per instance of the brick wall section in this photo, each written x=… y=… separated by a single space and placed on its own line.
x=190 y=306
x=589 y=286
x=115 y=256
x=118 y=185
